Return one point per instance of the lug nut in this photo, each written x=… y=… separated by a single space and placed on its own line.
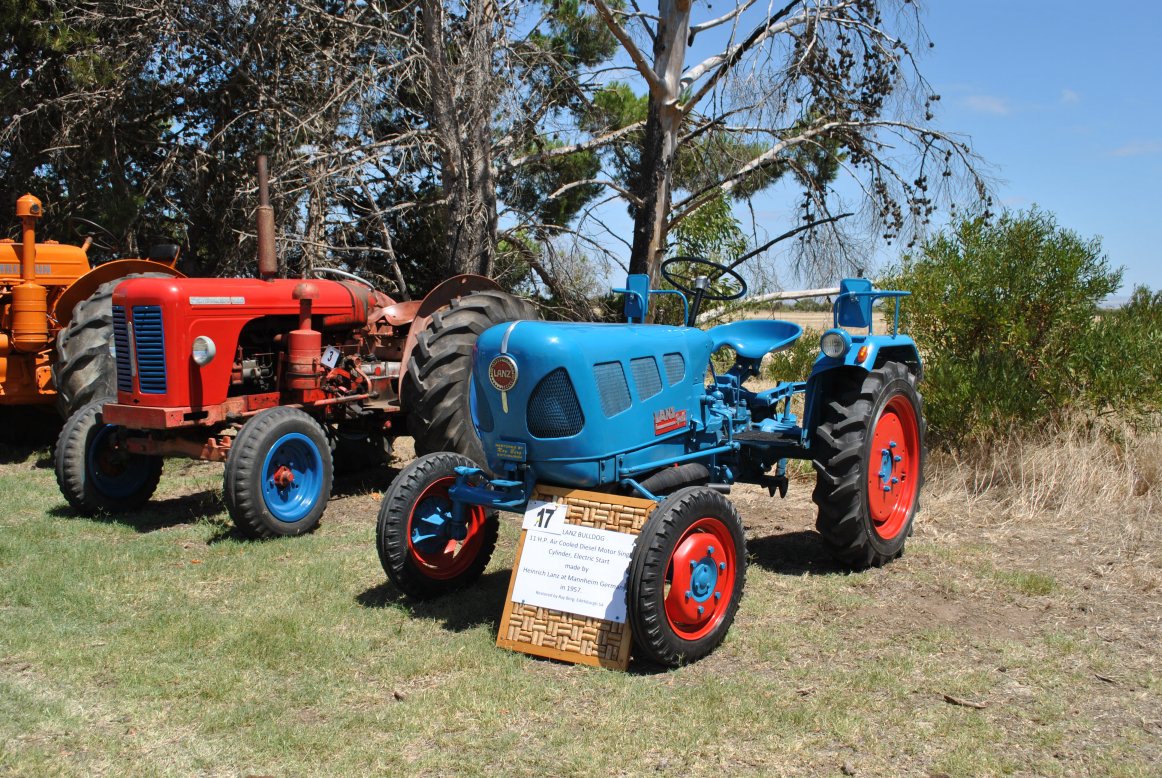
x=701 y=610
x=721 y=565
x=710 y=550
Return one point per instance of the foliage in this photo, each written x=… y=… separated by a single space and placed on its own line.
x=147 y=118
x=1120 y=359
x=1006 y=314
x=794 y=363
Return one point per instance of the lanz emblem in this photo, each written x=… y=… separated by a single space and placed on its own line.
x=502 y=372
x=668 y=420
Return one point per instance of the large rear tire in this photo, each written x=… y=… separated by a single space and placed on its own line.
x=95 y=472
x=436 y=384
x=85 y=368
x=870 y=465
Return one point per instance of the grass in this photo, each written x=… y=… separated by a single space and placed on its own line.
x=163 y=644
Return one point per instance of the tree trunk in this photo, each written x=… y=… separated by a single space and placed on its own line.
x=661 y=140
x=460 y=92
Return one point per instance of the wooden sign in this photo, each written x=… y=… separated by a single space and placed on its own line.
x=576 y=570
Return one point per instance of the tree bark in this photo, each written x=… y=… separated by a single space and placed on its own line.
x=460 y=93
x=661 y=140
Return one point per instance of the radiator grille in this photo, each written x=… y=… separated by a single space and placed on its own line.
x=553 y=408
x=121 y=349
x=645 y=376
x=611 y=387
x=480 y=405
x=675 y=368
x=149 y=346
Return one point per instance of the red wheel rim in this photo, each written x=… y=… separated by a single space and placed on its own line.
x=893 y=468
x=438 y=555
x=700 y=579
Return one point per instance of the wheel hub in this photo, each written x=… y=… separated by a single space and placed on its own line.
x=695 y=594
x=283 y=478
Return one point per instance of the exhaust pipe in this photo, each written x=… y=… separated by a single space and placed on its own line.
x=267 y=261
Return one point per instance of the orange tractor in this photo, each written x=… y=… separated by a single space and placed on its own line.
x=56 y=317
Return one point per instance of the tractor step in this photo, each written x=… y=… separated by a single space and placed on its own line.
x=760 y=438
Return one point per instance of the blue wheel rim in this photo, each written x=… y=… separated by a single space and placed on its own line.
x=292 y=476
x=117 y=475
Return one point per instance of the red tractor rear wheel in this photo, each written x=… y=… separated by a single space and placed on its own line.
x=436 y=384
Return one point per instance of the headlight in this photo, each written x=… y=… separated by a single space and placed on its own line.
x=203 y=351
x=835 y=343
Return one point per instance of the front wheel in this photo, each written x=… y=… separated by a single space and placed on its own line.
x=424 y=550
x=870 y=465
x=94 y=470
x=686 y=576
x=278 y=474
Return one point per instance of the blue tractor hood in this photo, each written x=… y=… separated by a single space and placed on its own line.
x=580 y=401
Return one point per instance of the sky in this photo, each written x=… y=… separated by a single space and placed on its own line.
x=1064 y=100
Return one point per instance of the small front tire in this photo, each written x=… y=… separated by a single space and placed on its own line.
x=686 y=576
x=278 y=474
x=421 y=548
x=94 y=470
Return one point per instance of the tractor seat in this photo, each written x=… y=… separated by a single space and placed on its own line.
x=755 y=338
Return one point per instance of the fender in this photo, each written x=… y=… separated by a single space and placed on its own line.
x=879 y=349
x=110 y=271
x=444 y=293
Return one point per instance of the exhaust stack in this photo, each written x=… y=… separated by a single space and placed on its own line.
x=267 y=261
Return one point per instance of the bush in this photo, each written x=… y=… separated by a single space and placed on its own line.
x=1006 y=315
x=794 y=363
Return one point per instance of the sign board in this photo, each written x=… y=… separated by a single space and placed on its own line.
x=566 y=598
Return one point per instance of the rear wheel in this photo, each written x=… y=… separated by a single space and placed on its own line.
x=85 y=368
x=94 y=470
x=686 y=576
x=423 y=550
x=436 y=384
x=278 y=474
x=870 y=465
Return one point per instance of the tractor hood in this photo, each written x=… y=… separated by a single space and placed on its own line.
x=581 y=401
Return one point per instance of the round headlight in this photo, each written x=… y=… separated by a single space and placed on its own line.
x=203 y=351
x=834 y=343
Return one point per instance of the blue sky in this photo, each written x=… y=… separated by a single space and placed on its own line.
x=1064 y=99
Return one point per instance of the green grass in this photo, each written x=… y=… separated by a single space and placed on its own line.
x=161 y=644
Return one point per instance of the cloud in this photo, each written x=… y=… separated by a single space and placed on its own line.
x=997 y=106
x=1138 y=148
x=1069 y=97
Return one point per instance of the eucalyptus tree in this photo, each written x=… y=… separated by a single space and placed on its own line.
x=812 y=89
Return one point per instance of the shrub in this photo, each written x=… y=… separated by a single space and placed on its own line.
x=794 y=363
x=1006 y=314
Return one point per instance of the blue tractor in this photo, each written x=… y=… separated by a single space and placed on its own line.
x=638 y=409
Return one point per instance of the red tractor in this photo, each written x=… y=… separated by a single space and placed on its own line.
x=276 y=378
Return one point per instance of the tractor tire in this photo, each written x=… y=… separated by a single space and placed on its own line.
x=686 y=576
x=95 y=475
x=278 y=474
x=414 y=534
x=436 y=384
x=85 y=368
x=870 y=465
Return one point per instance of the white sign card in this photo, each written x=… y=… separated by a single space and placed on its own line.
x=571 y=568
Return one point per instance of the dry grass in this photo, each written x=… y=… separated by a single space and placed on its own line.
x=1099 y=484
